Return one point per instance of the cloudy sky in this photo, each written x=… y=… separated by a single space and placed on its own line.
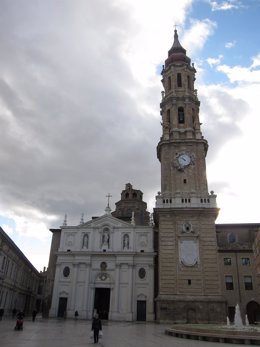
x=79 y=106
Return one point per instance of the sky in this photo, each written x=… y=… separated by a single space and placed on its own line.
x=80 y=89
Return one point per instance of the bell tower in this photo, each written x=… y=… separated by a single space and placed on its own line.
x=188 y=272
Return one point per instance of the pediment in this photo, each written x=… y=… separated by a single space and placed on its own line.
x=108 y=220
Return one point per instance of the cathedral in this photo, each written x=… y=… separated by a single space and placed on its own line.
x=179 y=266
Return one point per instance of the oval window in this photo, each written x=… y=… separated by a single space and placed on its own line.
x=66 y=271
x=142 y=273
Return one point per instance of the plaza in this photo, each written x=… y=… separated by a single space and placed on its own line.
x=76 y=333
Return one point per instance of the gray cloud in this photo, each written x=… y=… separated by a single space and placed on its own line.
x=71 y=132
x=221 y=112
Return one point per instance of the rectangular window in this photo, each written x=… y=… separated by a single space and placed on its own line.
x=229 y=282
x=227 y=261
x=245 y=261
x=179 y=80
x=248 y=282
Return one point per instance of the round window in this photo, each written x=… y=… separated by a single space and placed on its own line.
x=66 y=271
x=142 y=273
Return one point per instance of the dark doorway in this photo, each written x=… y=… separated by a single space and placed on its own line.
x=253 y=312
x=62 y=307
x=101 y=303
x=141 y=310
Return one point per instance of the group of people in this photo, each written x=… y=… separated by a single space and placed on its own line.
x=96 y=322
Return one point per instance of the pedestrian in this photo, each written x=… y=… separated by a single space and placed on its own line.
x=96 y=327
x=76 y=315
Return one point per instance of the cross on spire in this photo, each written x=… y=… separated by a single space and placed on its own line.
x=108 y=196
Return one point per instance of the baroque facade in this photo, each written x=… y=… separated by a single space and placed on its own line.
x=106 y=265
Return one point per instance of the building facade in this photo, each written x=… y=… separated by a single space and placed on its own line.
x=19 y=280
x=239 y=280
x=107 y=266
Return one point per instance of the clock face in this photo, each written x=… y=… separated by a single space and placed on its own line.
x=184 y=160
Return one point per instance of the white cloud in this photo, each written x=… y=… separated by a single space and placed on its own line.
x=256 y=61
x=196 y=36
x=240 y=74
x=9 y=230
x=232 y=124
x=214 y=61
x=224 y=5
x=230 y=44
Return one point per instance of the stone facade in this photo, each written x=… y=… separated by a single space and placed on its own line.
x=105 y=265
x=19 y=280
x=238 y=268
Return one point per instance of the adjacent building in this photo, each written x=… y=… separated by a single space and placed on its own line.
x=19 y=280
x=239 y=279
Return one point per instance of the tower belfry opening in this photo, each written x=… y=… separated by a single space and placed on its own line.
x=185 y=212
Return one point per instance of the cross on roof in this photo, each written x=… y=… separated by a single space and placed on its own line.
x=108 y=196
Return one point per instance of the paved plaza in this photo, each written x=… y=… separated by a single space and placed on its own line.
x=71 y=333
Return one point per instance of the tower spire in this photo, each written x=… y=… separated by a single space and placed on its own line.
x=177 y=53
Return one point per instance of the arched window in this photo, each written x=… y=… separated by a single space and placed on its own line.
x=169 y=83
x=179 y=81
x=181 y=115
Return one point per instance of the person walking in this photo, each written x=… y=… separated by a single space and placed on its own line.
x=96 y=327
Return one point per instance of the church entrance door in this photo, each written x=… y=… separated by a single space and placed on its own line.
x=62 y=307
x=141 y=310
x=102 y=301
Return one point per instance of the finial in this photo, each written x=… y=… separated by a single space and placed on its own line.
x=108 y=209
x=133 y=219
x=82 y=219
x=108 y=196
x=65 y=220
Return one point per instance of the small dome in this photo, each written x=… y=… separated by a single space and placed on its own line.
x=177 y=54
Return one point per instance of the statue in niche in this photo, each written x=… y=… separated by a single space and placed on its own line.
x=85 y=241
x=126 y=241
x=105 y=237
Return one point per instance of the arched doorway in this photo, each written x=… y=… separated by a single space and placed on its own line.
x=253 y=312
